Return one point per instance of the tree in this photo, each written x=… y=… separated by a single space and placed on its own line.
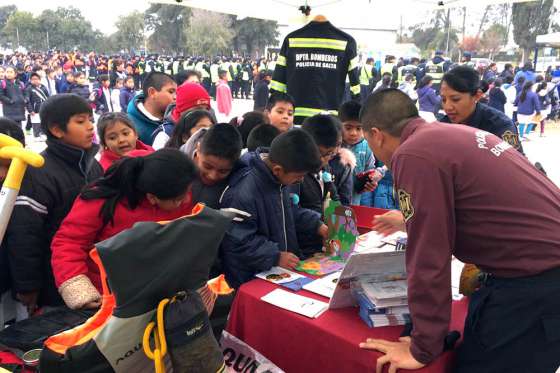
x=209 y=33
x=253 y=34
x=130 y=31
x=21 y=29
x=470 y=43
x=530 y=20
x=67 y=29
x=5 y=13
x=168 y=23
x=493 y=39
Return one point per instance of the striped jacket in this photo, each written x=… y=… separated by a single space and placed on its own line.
x=312 y=67
x=45 y=198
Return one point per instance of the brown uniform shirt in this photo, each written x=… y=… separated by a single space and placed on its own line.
x=468 y=193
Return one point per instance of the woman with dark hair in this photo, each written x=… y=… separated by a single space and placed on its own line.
x=460 y=95
x=428 y=101
x=497 y=96
x=151 y=188
x=528 y=109
x=189 y=123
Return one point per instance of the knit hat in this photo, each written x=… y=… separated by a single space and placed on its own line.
x=189 y=95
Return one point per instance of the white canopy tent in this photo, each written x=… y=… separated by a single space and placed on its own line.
x=549 y=40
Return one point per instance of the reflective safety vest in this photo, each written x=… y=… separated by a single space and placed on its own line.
x=387 y=68
x=200 y=68
x=404 y=71
x=365 y=74
x=435 y=71
x=214 y=73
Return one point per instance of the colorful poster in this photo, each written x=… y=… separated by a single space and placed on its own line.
x=320 y=265
x=343 y=230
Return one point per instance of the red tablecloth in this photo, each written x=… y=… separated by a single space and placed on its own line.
x=327 y=344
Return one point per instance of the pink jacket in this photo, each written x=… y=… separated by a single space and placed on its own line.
x=223 y=97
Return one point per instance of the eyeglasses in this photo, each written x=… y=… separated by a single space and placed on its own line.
x=332 y=153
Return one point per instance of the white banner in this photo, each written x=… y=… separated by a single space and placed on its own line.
x=240 y=357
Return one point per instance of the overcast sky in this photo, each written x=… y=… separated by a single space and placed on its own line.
x=104 y=13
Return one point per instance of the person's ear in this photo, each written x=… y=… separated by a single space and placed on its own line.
x=479 y=94
x=152 y=199
x=57 y=132
x=277 y=170
x=151 y=91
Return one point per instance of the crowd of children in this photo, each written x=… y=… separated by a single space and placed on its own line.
x=155 y=163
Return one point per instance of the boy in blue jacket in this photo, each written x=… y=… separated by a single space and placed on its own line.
x=264 y=233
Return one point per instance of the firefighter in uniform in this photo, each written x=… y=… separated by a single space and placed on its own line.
x=460 y=94
x=214 y=77
x=435 y=68
x=390 y=67
x=465 y=192
x=312 y=67
x=409 y=67
x=368 y=76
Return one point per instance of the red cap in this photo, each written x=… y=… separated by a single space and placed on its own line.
x=190 y=95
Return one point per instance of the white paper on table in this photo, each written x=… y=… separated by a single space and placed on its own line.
x=367 y=241
x=325 y=285
x=35 y=118
x=296 y=303
x=392 y=239
x=278 y=275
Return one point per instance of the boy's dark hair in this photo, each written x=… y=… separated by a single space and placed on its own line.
x=34 y=75
x=58 y=109
x=261 y=136
x=103 y=77
x=166 y=173
x=77 y=74
x=349 y=111
x=324 y=128
x=183 y=76
x=248 y=121
x=222 y=73
x=279 y=97
x=128 y=77
x=108 y=119
x=295 y=151
x=222 y=140
x=156 y=80
x=12 y=129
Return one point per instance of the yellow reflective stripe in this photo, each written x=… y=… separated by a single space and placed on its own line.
x=355 y=89
x=309 y=112
x=317 y=43
x=277 y=86
x=281 y=61
x=353 y=64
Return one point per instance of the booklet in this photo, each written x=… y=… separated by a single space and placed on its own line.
x=324 y=286
x=283 y=277
x=296 y=303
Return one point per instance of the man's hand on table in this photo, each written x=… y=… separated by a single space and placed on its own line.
x=288 y=260
x=389 y=223
x=397 y=354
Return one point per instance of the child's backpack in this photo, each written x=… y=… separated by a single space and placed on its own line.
x=3 y=84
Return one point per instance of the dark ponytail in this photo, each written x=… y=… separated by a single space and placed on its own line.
x=166 y=173
x=526 y=88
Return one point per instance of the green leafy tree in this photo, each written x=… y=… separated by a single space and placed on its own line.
x=22 y=29
x=529 y=20
x=208 y=33
x=252 y=35
x=68 y=29
x=167 y=24
x=130 y=32
x=5 y=13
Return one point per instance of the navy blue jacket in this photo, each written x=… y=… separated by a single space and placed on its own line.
x=491 y=120
x=267 y=221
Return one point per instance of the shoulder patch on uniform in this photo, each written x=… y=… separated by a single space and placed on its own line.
x=511 y=138
x=405 y=203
